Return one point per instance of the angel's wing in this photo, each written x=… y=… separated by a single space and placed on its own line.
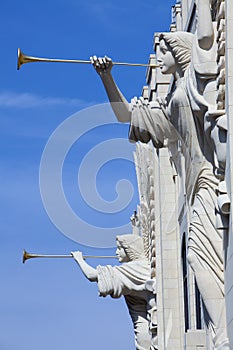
x=145 y=165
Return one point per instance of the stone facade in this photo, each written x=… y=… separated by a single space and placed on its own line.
x=180 y=309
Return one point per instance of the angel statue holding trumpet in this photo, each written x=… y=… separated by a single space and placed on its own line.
x=131 y=280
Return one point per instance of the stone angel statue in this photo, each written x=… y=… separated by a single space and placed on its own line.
x=128 y=280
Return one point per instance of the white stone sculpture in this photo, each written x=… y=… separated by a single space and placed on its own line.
x=187 y=115
x=145 y=165
x=128 y=280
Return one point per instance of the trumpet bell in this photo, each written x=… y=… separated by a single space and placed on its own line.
x=25 y=256
x=21 y=58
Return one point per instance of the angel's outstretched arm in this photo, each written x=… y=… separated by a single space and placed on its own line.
x=120 y=105
x=87 y=270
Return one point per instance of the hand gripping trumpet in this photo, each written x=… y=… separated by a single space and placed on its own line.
x=22 y=59
x=27 y=256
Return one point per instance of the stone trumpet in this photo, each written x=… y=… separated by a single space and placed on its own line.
x=22 y=59
x=27 y=256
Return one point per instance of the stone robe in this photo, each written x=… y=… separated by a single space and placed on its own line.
x=128 y=280
x=181 y=117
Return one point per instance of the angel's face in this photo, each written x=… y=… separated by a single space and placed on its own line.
x=121 y=253
x=166 y=59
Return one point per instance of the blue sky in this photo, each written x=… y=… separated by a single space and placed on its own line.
x=48 y=303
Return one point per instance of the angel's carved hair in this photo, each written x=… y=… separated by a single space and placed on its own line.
x=133 y=246
x=181 y=46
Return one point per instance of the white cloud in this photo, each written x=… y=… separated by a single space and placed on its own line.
x=28 y=100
